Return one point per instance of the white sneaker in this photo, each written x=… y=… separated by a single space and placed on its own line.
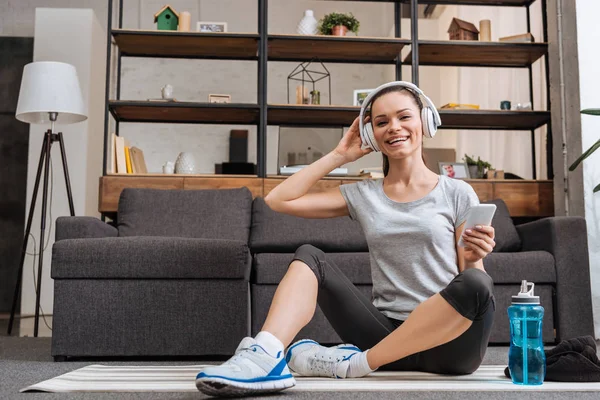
x=250 y=371
x=309 y=358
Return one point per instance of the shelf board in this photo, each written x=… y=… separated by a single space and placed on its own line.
x=174 y=44
x=467 y=53
x=338 y=116
x=493 y=119
x=309 y=115
x=509 y=3
x=343 y=49
x=184 y=112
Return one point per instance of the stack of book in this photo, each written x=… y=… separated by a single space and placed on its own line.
x=126 y=159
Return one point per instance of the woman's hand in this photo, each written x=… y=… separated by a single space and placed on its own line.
x=479 y=242
x=349 y=148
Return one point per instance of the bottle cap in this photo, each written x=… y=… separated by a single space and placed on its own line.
x=309 y=13
x=526 y=296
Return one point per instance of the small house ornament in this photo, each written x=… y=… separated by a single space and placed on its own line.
x=167 y=19
x=462 y=30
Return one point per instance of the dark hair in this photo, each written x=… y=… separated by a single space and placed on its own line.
x=418 y=102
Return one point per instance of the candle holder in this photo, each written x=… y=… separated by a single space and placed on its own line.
x=308 y=74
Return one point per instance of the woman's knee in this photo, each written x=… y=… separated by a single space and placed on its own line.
x=478 y=283
x=470 y=293
x=312 y=257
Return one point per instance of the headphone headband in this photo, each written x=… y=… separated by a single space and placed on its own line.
x=408 y=85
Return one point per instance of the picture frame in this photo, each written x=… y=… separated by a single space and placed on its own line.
x=457 y=170
x=211 y=27
x=219 y=98
x=360 y=95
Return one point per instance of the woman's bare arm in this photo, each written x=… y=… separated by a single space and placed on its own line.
x=292 y=197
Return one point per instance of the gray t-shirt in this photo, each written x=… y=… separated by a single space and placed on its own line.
x=412 y=245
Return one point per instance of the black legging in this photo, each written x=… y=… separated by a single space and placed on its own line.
x=357 y=321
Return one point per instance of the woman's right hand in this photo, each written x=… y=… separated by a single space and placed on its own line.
x=349 y=148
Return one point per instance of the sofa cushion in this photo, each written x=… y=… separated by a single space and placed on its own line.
x=281 y=233
x=209 y=214
x=269 y=268
x=151 y=258
x=534 y=266
x=507 y=237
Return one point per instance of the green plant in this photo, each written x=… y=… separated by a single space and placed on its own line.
x=481 y=165
x=588 y=152
x=327 y=23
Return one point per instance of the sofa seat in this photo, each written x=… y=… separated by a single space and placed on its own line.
x=156 y=258
x=171 y=279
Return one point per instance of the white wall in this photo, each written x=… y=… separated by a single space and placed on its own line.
x=73 y=36
x=588 y=36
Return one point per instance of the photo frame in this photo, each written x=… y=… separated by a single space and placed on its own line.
x=360 y=95
x=457 y=170
x=211 y=27
x=219 y=98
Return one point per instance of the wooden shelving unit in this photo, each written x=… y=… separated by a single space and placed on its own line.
x=462 y=53
x=493 y=119
x=524 y=198
x=347 y=49
x=173 y=44
x=184 y=112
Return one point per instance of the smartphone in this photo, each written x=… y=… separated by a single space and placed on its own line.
x=480 y=214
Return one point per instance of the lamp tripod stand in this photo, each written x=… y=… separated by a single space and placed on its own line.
x=49 y=138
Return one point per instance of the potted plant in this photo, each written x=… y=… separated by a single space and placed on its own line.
x=476 y=168
x=338 y=24
x=588 y=152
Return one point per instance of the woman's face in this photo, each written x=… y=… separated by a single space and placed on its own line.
x=397 y=125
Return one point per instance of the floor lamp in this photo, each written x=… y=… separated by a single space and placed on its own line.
x=49 y=93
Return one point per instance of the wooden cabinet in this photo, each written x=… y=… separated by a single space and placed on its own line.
x=523 y=198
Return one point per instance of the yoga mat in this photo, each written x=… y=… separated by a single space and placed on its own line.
x=103 y=378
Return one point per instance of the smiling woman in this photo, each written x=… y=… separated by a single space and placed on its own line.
x=427 y=292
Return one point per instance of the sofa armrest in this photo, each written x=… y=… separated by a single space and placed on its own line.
x=82 y=228
x=566 y=239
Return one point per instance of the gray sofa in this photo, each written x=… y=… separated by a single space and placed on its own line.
x=189 y=273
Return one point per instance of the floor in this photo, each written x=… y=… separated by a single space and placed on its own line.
x=25 y=360
x=24 y=326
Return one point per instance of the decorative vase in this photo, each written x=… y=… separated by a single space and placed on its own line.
x=339 y=30
x=185 y=163
x=308 y=24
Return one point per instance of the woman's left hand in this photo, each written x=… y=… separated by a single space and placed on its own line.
x=479 y=242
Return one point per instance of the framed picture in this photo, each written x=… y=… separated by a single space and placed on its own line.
x=214 y=27
x=219 y=98
x=454 y=170
x=360 y=95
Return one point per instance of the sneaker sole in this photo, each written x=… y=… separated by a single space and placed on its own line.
x=226 y=388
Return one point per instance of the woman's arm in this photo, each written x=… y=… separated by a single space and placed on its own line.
x=292 y=197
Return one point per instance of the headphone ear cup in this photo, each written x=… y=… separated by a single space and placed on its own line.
x=429 y=127
x=369 y=137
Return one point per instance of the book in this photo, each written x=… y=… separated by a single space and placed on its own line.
x=292 y=169
x=120 y=143
x=128 y=160
x=522 y=38
x=137 y=161
x=458 y=106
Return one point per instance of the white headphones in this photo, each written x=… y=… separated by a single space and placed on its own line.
x=429 y=116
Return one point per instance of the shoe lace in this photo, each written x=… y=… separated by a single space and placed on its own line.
x=325 y=364
x=241 y=353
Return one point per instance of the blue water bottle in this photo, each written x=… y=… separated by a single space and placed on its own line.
x=526 y=357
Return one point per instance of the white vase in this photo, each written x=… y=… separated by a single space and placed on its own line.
x=308 y=24
x=185 y=163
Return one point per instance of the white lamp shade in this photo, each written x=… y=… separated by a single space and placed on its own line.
x=49 y=86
